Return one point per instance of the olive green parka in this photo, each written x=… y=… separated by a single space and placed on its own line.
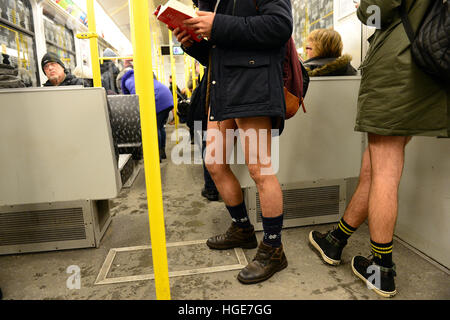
x=396 y=98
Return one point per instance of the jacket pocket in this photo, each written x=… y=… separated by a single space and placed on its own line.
x=247 y=80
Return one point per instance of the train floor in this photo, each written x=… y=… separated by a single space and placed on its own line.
x=190 y=217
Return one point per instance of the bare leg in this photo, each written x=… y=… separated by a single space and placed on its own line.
x=357 y=210
x=259 y=163
x=387 y=159
x=256 y=138
x=216 y=162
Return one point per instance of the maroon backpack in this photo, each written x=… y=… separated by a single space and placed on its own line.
x=295 y=79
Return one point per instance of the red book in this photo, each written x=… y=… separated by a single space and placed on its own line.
x=173 y=13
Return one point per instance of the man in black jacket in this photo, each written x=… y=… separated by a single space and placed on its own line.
x=244 y=52
x=109 y=73
x=56 y=72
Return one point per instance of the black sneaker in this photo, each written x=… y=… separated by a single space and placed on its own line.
x=377 y=278
x=162 y=153
x=210 y=194
x=329 y=247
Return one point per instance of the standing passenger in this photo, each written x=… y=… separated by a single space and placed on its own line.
x=127 y=66
x=244 y=54
x=109 y=72
x=163 y=102
x=396 y=101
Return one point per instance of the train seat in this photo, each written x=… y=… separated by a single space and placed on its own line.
x=58 y=169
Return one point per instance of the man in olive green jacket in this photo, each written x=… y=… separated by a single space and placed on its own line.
x=396 y=101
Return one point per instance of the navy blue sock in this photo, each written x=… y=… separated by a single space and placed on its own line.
x=239 y=215
x=272 y=230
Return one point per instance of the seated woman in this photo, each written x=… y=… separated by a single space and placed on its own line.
x=324 y=51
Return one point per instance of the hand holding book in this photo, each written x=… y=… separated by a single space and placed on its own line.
x=183 y=37
x=202 y=24
x=184 y=18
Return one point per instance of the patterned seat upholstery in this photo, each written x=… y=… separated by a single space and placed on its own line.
x=125 y=124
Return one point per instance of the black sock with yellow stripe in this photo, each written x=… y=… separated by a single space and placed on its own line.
x=343 y=230
x=382 y=253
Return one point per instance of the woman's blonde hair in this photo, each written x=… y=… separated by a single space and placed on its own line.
x=327 y=43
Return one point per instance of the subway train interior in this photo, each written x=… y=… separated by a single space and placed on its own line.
x=90 y=210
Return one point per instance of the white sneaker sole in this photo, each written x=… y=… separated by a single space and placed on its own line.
x=385 y=294
x=324 y=256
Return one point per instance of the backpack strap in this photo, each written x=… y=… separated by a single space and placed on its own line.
x=406 y=23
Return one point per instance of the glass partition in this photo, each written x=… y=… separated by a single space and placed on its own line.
x=60 y=40
x=17 y=39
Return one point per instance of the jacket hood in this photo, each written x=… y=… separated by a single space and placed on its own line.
x=128 y=74
x=330 y=66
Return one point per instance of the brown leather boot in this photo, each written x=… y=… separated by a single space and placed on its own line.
x=235 y=237
x=267 y=261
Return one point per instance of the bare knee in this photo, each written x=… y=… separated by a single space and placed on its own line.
x=257 y=174
x=387 y=157
x=215 y=169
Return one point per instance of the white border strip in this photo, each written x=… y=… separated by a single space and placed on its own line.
x=102 y=276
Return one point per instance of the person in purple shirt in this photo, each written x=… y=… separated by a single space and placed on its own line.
x=163 y=101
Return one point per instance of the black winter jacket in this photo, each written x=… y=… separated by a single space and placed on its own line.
x=70 y=80
x=109 y=73
x=247 y=48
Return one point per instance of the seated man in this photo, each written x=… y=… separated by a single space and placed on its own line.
x=324 y=51
x=56 y=72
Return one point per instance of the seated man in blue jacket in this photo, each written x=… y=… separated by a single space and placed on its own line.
x=163 y=101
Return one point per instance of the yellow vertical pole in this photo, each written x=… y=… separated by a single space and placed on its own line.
x=93 y=44
x=194 y=84
x=141 y=39
x=186 y=75
x=202 y=71
x=174 y=85
x=161 y=59
x=305 y=33
x=18 y=50
x=155 y=58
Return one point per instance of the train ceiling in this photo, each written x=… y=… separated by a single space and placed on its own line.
x=118 y=11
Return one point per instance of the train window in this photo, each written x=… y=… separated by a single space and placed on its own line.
x=177 y=50
x=17 y=39
x=309 y=15
x=60 y=40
